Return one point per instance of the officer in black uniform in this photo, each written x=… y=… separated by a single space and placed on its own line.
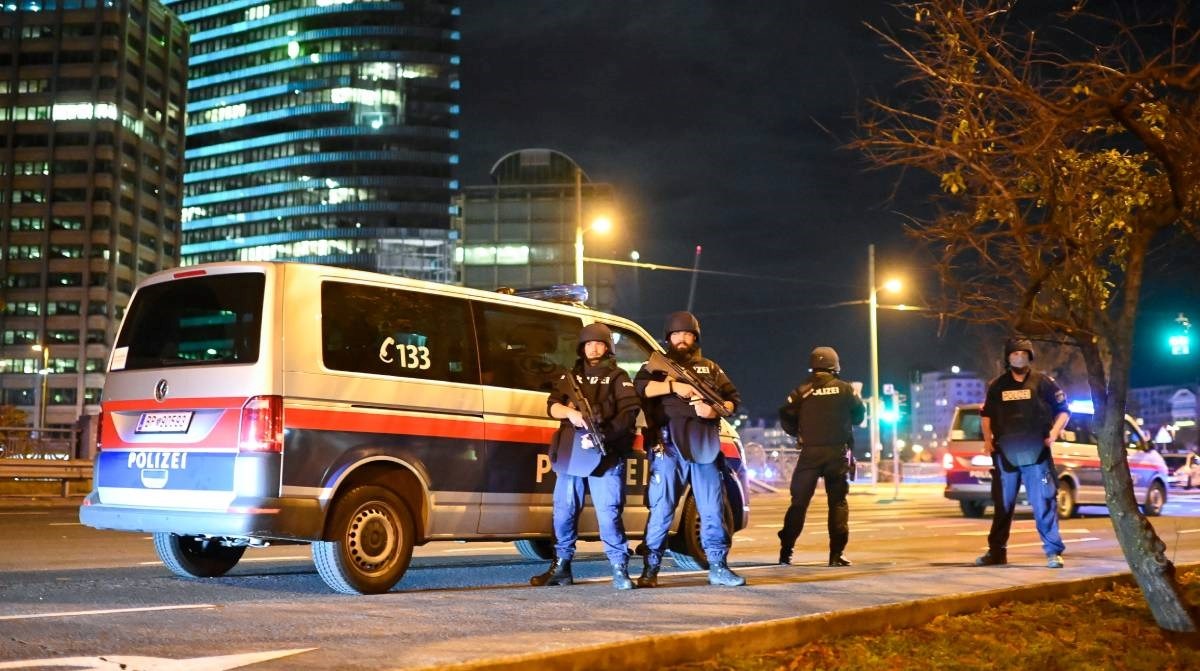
x=689 y=452
x=579 y=466
x=1023 y=414
x=821 y=413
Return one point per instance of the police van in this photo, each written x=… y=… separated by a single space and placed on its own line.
x=249 y=404
x=1076 y=462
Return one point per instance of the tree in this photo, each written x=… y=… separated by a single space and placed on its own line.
x=1063 y=154
x=10 y=415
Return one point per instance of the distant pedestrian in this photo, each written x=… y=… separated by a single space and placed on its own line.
x=688 y=450
x=1023 y=414
x=821 y=413
x=580 y=466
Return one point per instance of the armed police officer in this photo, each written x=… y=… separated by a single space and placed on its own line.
x=580 y=464
x=821 y=413
x=689 y=449
x=1023 y=414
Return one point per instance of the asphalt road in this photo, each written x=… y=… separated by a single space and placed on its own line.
x=75 y=597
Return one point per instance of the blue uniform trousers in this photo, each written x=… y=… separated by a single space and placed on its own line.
x=608 y=499
x=1041 y=488
x=669 y=472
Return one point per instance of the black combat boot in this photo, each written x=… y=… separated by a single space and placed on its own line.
x=720 y=574
x=649 y=576
x=785 y=556
x=993 y=557
x=836 y=559
x=559 y=573
x=621 y=577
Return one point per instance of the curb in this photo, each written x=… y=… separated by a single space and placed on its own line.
x=771 y=635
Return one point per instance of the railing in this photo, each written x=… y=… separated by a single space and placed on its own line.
x=21 y=471
x=31 y=459
x=39 y=444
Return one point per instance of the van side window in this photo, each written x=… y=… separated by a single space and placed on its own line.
x=388 y=331
x=1079 y=430
x=524 y=349
x=630 y=349
x=1133 y=439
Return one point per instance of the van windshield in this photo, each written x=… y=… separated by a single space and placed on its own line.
x=213 y=319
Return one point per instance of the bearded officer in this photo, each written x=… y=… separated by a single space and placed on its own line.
x=821 y=413
x=1023 y=413
x=580 y=467
x=689 y=452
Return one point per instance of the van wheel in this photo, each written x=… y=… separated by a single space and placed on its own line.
x=536 y=548
x=1156 y=498
x=1067 y=508
x=191 y=557
x=685 y=545
x=972 y=508
x=372 y=542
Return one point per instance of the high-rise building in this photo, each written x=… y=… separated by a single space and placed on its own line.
x=92 y=128
x=519 y=231
x=934 y=398
x=322 y=131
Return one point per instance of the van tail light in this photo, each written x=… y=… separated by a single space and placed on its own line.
x=261 y=428
x=100 y=430
x=947 y=461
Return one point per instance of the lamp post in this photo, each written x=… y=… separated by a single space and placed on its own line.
x=44 y=371
x=875 y=407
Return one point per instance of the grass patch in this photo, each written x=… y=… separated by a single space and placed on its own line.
x=1107 y=629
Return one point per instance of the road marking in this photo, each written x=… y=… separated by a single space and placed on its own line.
x=23 y=512
x=1188 y=531
x=245 y=559
x=109 y=662
x=66 y=524
x=1022 y=531
x=75 y=613
x=1065 y=540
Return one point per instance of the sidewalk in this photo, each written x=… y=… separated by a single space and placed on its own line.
x=790 y=606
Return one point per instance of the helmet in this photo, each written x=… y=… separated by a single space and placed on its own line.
x=595 y=332
x=824 y=358
x=1018 y=343
x=681 y=321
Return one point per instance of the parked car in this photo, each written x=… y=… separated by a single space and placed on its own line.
x=1076 y=461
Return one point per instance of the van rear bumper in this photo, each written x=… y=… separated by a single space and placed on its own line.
x=981 y=492
x=283 y=518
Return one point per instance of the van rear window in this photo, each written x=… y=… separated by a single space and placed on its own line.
x=967 y=425
x=213 y=319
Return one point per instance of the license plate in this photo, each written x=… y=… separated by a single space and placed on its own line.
x=164 y=422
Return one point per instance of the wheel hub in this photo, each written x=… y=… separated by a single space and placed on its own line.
x=372 y=538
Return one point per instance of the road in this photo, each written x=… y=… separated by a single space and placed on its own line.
x=67 y=591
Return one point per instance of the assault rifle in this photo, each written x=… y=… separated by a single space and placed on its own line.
x=591 y=420
x=659 y=363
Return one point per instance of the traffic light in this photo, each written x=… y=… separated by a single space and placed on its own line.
x=889 y=413
x=1180 y=339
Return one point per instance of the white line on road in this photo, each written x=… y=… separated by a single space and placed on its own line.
x=1022 y=531
x=23 y=512
x=1065 y=540
x=245 y=559
x=66 y=524
x=1188 y=531
x=74 y=613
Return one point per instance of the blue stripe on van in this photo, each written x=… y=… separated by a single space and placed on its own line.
x=165 y=469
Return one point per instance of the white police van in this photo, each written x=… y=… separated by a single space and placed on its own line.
x=248 y=404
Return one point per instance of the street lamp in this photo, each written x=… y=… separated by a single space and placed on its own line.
x=600 y=225
x=892 y=285
x=45 y=373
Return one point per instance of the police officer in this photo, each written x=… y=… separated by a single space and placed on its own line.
x=1023 y=414
x=689 y=451
x=821 y=413
x=579 y=466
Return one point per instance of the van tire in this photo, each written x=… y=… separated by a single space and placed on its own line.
x=1067 y=507
x=539 y=549
x=1156 y=498
x=372 y=536
x=192 y=557
x=973 y=509
x=685 y=545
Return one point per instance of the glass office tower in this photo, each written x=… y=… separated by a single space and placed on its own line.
x=91 y=165
x=322 y=131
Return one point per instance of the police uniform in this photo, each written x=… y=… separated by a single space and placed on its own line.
x=688 y=452
x=821 y=413
x=580 y=468
x=1021 y=413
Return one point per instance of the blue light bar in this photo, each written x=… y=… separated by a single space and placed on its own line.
x=1081 y=407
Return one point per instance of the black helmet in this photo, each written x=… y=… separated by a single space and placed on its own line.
x=681 y=321
x=824 y=358
x=595 y=332
x=1018 y=343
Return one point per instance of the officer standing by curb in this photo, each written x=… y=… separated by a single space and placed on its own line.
x=1023 y=414
x=581 y=467
x=689 y=451
x=821 y=413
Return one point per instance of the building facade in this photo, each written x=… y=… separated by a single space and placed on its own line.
x=520 y=231
x=934 y=397
x=92 y=130
x=322 y=131
x=1155 y=407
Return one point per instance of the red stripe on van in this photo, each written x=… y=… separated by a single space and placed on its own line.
x=223 y=435
x=362 y=422
x=151 y=405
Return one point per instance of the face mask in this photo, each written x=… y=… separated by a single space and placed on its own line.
x=1019 y=360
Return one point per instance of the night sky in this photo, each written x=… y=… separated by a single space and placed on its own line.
x=722 y=124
